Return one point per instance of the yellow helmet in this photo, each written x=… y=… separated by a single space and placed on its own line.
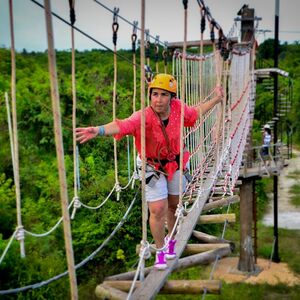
x=165 y=82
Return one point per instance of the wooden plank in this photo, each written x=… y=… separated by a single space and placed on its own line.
x=221 y=202
x=259 y=171
x=174 y=286
x=193 y=248
x=202 y=258
x=211 y=239
x=104 y=291
x=217 y=218
x=157 y=278
x=183 y=263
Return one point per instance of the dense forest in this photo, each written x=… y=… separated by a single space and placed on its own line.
x=41 y=208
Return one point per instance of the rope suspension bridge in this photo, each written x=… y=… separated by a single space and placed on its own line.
x=217 y=144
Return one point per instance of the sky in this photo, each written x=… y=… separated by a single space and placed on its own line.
x=164 y=18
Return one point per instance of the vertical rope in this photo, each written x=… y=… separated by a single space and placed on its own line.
x=115 y=27
x=165 y=58
x=133 y=40
x=185 y=4
x=218 y=66
x=143 y=122
x=74 y=100
x=147 y=47
x=15 y=130
x=10 y=129
x=156 y=51
x=148 y=72
x=201 y=62
x=225 y=124
x=60 y=151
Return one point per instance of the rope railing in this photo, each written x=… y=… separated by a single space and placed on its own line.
x=76 y=203
x=82 y=263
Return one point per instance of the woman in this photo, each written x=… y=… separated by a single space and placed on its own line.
x=162 y=152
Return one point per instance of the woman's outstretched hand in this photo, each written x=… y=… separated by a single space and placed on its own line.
x=85 y=134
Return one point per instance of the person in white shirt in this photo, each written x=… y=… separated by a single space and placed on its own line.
x=267 y=138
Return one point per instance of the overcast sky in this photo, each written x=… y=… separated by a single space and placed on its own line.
x=163 y=18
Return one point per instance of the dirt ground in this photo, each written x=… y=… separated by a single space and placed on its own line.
x=288 y=217
x=268 y=272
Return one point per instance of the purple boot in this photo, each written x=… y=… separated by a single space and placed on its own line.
x=171 y=254
x=160 y=262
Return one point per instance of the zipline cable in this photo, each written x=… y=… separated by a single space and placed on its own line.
x=60 y=151
x=128 y=22
x=82 y=32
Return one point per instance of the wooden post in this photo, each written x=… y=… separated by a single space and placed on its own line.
x=246 y=261
x=247 y=20
x=60 y=152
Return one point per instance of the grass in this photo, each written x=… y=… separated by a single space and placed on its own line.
x=295 y=188
x=294 y=175
x=295 y=193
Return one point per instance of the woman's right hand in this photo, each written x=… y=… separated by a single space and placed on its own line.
x=219 y=92
x=85 y=134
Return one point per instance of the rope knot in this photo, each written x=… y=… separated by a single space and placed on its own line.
x=186 y=203
x=179 y=211
x=77 y=203
x=136 y=175
x=118 y=190
x=145 y=250
x=20 y=234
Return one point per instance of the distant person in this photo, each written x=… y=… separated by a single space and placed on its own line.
x=162 y=153
x=266 y=141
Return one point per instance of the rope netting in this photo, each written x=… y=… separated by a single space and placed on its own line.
x=211 y=141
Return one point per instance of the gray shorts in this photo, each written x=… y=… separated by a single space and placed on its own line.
x=159 y=187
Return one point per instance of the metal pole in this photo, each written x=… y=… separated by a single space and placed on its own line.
x=275 y=178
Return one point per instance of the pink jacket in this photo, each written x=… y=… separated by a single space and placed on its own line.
x=156 y=145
